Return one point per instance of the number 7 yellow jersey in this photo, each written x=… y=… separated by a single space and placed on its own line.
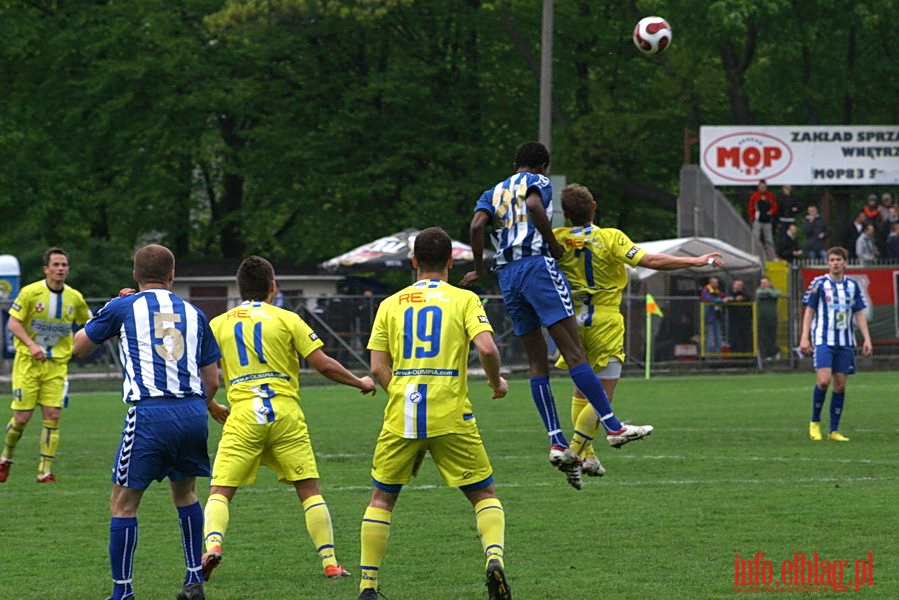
x=426 y=329
x=594 y=262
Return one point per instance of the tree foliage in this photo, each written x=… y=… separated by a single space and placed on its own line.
x=301 y=128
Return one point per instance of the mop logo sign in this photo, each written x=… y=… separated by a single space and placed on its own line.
x=747 y=157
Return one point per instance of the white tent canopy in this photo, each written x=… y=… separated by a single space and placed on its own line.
x=737 y=263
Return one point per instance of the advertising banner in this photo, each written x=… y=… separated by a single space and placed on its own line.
x=800 y=155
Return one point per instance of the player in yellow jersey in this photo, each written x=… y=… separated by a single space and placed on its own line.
x=261 y=346
x=594 y=262
x=419 y=355
x=41 y=320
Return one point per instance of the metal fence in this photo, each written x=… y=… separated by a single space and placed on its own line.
x=677 y=341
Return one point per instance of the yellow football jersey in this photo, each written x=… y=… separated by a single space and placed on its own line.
x=594 y=263
x=48 y=316
x=427 y=329
x=261 y=345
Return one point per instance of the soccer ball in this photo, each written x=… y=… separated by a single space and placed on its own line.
x=652 y=35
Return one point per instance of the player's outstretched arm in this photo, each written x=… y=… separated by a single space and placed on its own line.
x=667 y=262
x=337 y=373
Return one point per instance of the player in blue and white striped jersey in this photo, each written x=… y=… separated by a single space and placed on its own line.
x=537 y=294
x=169 y=363
x=830 y=302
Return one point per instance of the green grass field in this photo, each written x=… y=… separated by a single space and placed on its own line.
x=728 y=471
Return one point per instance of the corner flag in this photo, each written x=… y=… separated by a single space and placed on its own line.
x=651 y=307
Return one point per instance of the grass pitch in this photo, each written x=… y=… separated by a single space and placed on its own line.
x=729 y=471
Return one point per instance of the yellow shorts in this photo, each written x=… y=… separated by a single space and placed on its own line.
x=37 y=382
x=460 y=458
x=282 y=445
x=602 y=340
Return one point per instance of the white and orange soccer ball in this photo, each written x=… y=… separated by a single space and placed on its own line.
x=652 y=35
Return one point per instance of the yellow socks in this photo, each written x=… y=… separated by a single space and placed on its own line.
x=586 y=425
x=49 y=444
x=491 y=522
x=215 y=521
x=374 y=536
x=318 y=524
x=13 y=433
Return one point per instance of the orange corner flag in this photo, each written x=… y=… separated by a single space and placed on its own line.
x=651 y=307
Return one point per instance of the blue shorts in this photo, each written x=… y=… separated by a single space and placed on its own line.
x=839 y=359
x=162 y=438
x=535 y=292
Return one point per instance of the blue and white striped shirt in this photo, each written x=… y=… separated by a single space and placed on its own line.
x=514 y=235
x=163 y=343
x=834 y=303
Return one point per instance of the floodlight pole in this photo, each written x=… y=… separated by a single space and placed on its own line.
x=546 y=75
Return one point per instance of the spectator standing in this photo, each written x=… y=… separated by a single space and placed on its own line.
x=714 y=297
x=766 y=312
x=788 y=209
x=892 y=217
x=892 y=253
x=872 y=211
x=739 y=318
x=762 y=213
x=853 y=231
x=886 y=202
x=866 y=246
x=816 y=233
x=789 y=244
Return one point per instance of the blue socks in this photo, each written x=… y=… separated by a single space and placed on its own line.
x=817 y=403
x=587 y=381
x=546 y=406
x=191 y=520
x=122 y=544
x=836 y=410
x=836 y=406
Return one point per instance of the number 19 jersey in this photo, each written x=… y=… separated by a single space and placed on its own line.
x=426 y=329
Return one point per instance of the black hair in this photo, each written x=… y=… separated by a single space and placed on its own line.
x=532 y=155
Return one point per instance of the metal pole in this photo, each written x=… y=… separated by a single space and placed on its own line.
x=546 y=75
